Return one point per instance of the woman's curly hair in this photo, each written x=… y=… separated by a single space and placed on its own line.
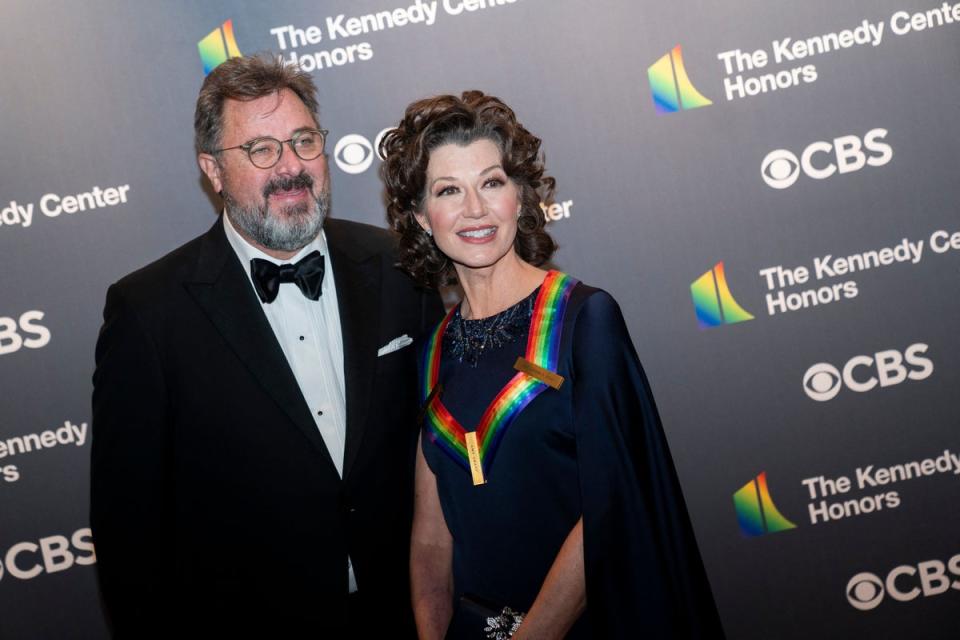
x=433 y=122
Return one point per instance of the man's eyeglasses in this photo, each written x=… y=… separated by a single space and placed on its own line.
x=266 y=152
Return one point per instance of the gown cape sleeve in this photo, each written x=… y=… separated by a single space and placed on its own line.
x=644 y=574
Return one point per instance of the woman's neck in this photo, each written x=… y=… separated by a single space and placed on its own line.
x=490 y=290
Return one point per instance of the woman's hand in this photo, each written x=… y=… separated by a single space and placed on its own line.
x=431 y=557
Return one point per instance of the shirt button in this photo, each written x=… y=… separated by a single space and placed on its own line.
x=319 y=413
x=301 y=338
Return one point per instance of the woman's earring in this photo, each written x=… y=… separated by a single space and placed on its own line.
x=429 y=232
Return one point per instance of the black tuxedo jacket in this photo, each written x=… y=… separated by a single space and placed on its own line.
x=215 y=504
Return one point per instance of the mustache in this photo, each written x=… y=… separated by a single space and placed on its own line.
x=300 y=181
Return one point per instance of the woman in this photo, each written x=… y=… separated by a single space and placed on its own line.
x=546 y=502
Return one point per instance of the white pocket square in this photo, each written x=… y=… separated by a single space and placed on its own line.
x=394 y=345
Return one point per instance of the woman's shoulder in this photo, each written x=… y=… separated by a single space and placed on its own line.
x=593 y=315
x=594 y=301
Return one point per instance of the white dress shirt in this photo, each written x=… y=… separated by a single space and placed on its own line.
x=309 y=334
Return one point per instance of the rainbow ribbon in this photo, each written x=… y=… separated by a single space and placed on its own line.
x=543 y=349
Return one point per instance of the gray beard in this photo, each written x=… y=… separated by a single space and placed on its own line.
x=287 y=229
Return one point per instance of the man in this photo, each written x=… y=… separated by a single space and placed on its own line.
x=254 y=425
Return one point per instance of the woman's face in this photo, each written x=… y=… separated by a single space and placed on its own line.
x=470 y=204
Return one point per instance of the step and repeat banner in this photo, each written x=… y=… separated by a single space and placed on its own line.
x=770 y=190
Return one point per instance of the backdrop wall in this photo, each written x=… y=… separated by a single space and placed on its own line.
x=769 y=189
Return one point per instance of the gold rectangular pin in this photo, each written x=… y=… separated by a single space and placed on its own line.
x=543 y=375
x=437 y=390
x=473 y=454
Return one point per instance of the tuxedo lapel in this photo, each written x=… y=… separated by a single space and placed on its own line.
x=357 y=276
x=221 y=288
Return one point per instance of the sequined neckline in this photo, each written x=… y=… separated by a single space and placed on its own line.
x=467 y=340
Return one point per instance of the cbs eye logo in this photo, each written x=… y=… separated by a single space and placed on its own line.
x=865 y=591
x=354 y=154
x=822 y=381
x=780 y=169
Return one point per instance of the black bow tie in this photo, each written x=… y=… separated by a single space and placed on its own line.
x=306 y=274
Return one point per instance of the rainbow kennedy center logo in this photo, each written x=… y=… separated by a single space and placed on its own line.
x=756 y=512
x=713 y=301
x=671 y=87
x=218 y=46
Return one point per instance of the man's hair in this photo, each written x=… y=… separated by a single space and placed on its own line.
x=245 y=78
x=434 y=122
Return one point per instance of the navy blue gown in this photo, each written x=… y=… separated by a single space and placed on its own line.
x=593 y=448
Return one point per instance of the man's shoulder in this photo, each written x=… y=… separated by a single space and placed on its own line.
x=167 y=271
x=358 y=237
x=361 y=242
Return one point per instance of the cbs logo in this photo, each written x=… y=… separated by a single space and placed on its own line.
x=865 y=591
x=823 y=381
x=27 y=560
x=34 y=336
x=781 y=168
x=354 y=154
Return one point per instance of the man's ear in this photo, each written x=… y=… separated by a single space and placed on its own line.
x=210 y=167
